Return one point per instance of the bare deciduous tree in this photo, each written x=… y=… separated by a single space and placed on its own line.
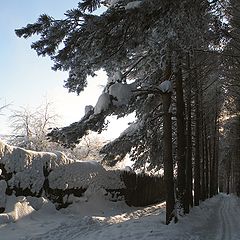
x=30 y=127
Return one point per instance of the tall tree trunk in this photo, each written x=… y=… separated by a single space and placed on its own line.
x=203 y=168
x=216 y=149
x=206 y=159
x=167 y=157
x=202 y=141
x=189 y=185
x=214 y=167
x=181 y=140
x=197 y=190
x=167 y=150
x=211 y=164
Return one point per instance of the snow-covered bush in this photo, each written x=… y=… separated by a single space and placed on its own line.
x=28 y=168
x=82 y=174
x=60 y=179
x=51 y=174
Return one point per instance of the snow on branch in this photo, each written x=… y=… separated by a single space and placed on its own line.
x=118 y=149
x=166 y=86
x=115 y=99
x=132 y=5
x=70 y=136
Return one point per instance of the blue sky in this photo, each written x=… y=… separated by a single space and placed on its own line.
x=18 y=62
x=26 y=79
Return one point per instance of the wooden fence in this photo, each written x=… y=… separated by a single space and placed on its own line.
x=142 y=189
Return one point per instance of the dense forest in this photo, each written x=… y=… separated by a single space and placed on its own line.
x=175 y=64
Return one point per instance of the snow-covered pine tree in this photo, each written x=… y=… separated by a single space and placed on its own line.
x=132 y=41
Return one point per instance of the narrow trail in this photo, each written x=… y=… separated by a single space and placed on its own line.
x=223 y=223
x=230 y=218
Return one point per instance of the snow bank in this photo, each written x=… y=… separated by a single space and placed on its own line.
x=17 y=208
x=20 y=207
x=94 y=202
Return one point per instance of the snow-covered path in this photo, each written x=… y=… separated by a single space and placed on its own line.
x=217 y=218
x=224 y=224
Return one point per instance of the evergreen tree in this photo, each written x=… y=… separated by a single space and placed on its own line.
x=138 y=44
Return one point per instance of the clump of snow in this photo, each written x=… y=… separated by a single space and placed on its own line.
x=112 y=2
x=170 y=109
x=91 y=191
x=128 y=169
x=41 y=203
x=20 y=207
x=133 y=128
x=17 y=208
x=132 y=5
x=103 y=103
x=117 y=77
x=166 y=86
x=116 y=93
x=121 y=93
x=3 y=187
x=94 y=202
x=88 y=109
x=5 y=218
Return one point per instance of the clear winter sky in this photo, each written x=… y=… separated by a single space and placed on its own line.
x=26 y=79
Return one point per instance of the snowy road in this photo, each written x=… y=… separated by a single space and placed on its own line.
x=223 y=222
x=217 y=218
x=228 y=219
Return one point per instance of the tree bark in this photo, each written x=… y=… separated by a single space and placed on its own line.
x=181 y=140
x=206 y=160
x=167 y=148
x=189 y=185
x=197 y=189
x=167 y=157
x=211 y=165
x=202 y=141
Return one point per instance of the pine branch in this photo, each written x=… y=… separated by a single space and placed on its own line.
x=89 y=5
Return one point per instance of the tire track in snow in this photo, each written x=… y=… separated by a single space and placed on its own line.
x=232 y=216
x=229 y=218
x=224 y=218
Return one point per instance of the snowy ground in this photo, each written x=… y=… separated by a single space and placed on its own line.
x=217 y=218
